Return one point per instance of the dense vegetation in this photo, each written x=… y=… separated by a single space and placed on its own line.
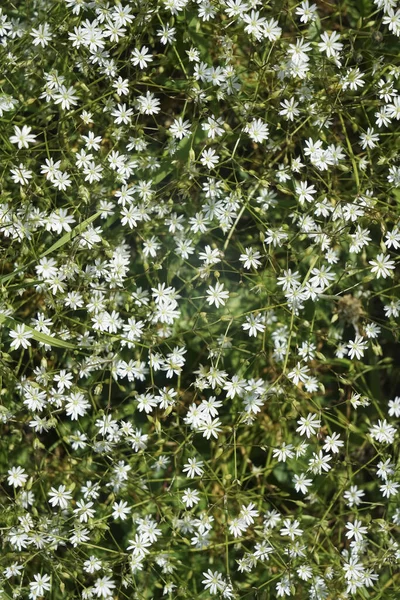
x=199 y=241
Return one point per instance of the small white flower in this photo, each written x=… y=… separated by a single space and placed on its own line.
x=330 y=44
x=382 y=266
x=291 y=529
x=394 y=407
x=301 y=483
x=308 y=425
x=60 y=497
x=356 y=347
x=213 y=581
x=333 y=443
x=180 y=128
x=254 y=324
x=190 y=498
x=390 y=488
x=369 y=139
x=356 y=530
x=21 y=336
x=257 y=130
x=250 y=258
x=193 y=467
x=217 y=295
x=141 y=57
x=299 y=373
x=17 y=477
x=40 y=585
x=103 y=587
x=23 y=136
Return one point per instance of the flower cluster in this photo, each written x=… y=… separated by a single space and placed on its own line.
x=200 y=232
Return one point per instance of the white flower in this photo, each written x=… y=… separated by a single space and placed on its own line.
x=390 y=488
x=333 y=443
x=254 y=324
x=304 y=571
x=298 y=373
x=372 y=330
x=393 y=238
x=291 y=529
x=250 y=258
x=190 y=498
x=248 y=512
x=262 y=551
x=139 y=545
x=180 y=128
x=21 y=336
x=271 y=30
x=41 y=35
x=308 y=425
x=122 y=14
x=214 y=127
x=92 y=565
x=330 y=44
x=392 y=309
x=353 y=79
x=23 y=136
x=167 y=34
x=213 y=581
x=210 y=428
x=21 y=175
x=356 y=530
x=103 y=587
x=17 y=476
x=76 y=406
x=217 y=295
x=382 y=266
x=210 y=256
x=14 y=570
x=385 y=468
x=383 y=432
x=254 y=24
x=306 y=12
x=60 y=497
x=63 y=379
x=65 y=97
x=284 y=452
x=369 y=139
x=319 y=462
x=391 y=18
x=121 y=87
x=141 y=57
x=193 y=467
x=356 y=347
x=84 y=511
x=394 y=407
x=301 y=483
x=237 y=527
x=353 y=569
x=148 y=104
x=283 y=587
x=289 y=110
x=122 y=114
x=92 y=141
x=257 y=130
x=305 y=192
x=353 y=496
x=40 y=585
x=209 y=158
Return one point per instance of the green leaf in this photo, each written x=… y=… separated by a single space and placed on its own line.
x=71 y=234
x=38 y=336
x=59 y=244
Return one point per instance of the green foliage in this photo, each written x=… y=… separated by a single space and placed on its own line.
x=199 y=226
